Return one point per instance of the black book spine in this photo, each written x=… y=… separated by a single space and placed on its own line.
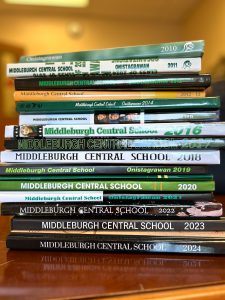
x=31 y=169
x=106 y=243
x=58 y=224
x=93 y=82
x=95 y=144
x=198 y=209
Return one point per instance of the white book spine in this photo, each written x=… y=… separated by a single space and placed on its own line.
x=205 y=157
x=88 y=119
x=120 y=130
x=160 y=65
x=52 y=119
x=51 y=196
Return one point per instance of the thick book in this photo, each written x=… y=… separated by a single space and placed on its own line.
x=185 y=129
x=150 y=66
x=124 y=225
x=96 y=144
x=40 y=169
x=110 y=243
x=133 y=184
x=118 y=118
x=63 y=95
x=169 y=157
x=103 y=197
x=174 y=49
x=116 y=82
x=52 y=107
x=58 y=209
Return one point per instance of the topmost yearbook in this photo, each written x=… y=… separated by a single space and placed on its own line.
x=177 y=49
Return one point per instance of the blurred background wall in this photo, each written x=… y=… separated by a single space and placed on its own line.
x=101 y=24
x=44 y=29
x=207 y=21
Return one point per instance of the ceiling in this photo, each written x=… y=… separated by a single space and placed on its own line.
x=172 y=11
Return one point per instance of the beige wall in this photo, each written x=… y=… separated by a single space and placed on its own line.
x=47 y=34
x=207 y=22
x=41 y=33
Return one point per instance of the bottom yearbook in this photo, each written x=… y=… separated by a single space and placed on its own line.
x=110 y=243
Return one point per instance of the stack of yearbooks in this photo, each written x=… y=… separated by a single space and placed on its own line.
x=111 y=152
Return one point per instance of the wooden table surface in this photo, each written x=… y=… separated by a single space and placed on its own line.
x=63 y=275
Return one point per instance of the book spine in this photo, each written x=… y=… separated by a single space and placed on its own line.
x=177 y=49
x=99 y=196
x=107 y=185
x=67 y=196
x=102 y=95
x=117 y=118
x=38 y=169
x=113 y=244
x=168 y=82
x=170 y=157
x=155 y=65
x=57 y=209
x=52 y=107
x=120 y=130
x=57 y=224
x=81 y=119
x=94 y=144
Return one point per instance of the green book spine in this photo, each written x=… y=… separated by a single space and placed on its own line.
x=177 y=49
x=112 y=185
x=28 y=107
